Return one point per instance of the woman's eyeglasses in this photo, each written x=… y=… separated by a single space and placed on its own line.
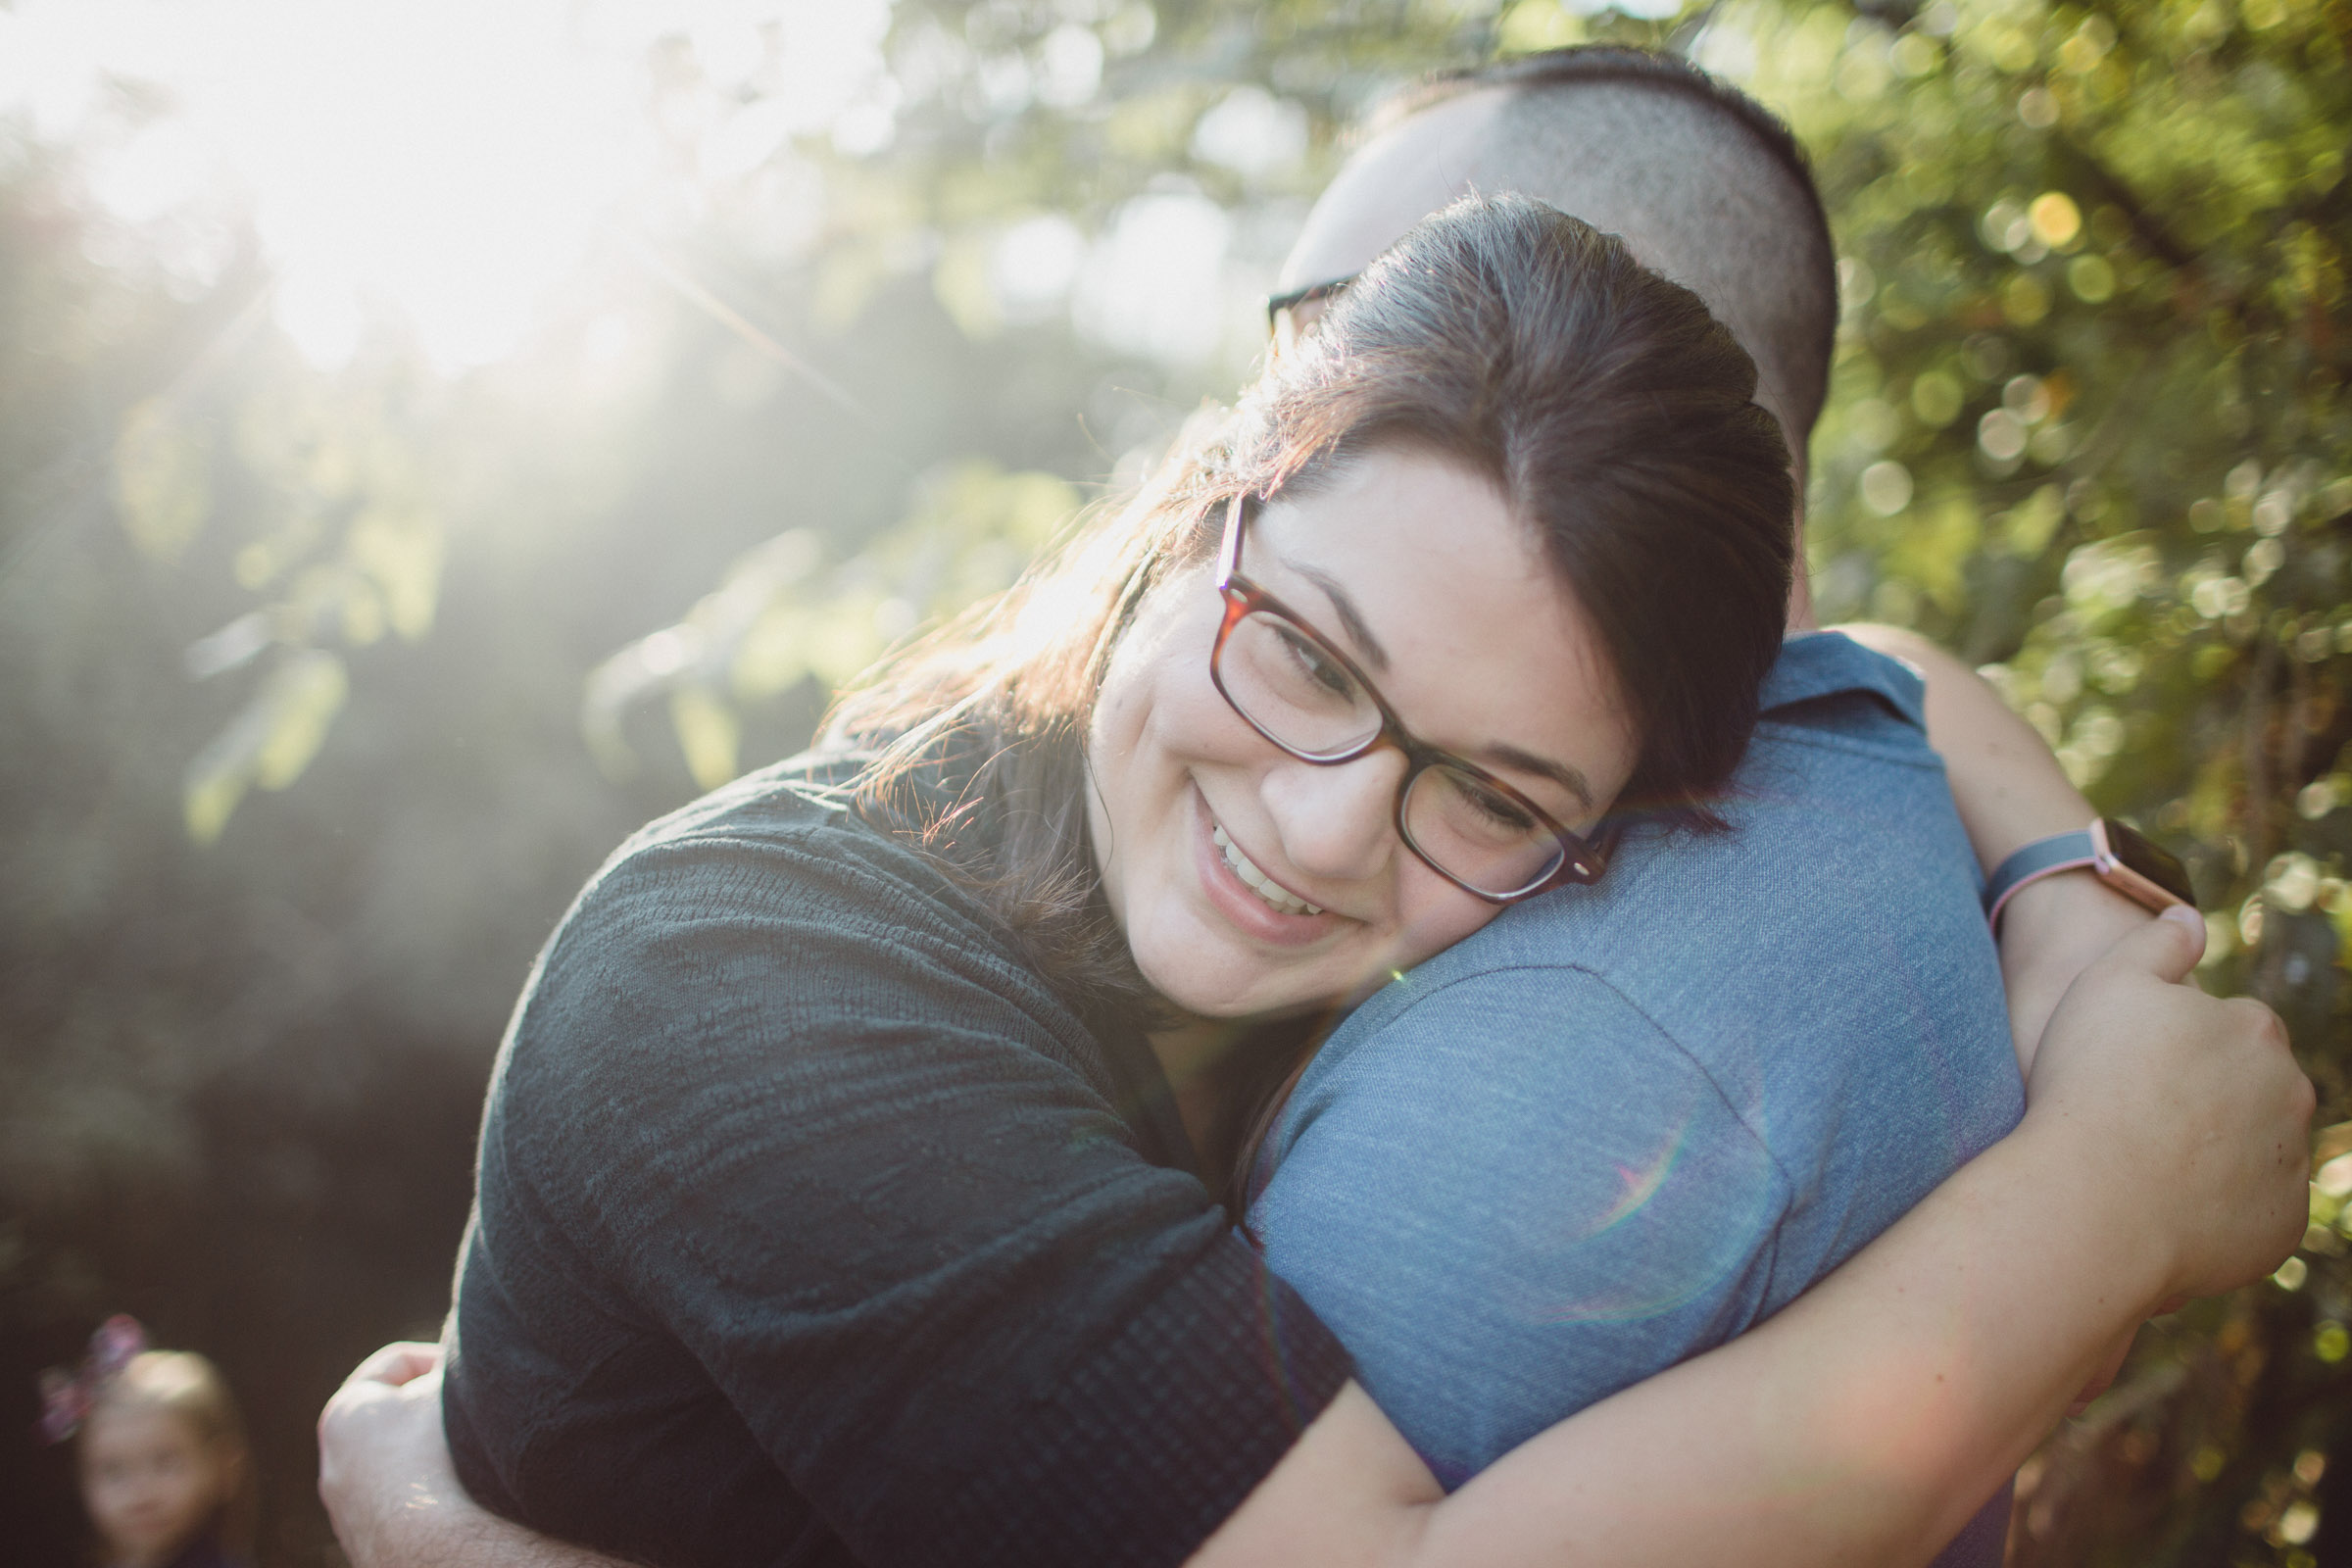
x=1311 y=701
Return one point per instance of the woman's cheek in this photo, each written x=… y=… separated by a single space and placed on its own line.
x=1165 y=704
x=1138 y=680
x=1119 y=710
x=1435 y=914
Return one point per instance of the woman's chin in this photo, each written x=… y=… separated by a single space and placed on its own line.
x=1207 y=973
x=1202 y=971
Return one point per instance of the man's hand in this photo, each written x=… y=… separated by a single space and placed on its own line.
x=385 y=1476
x=2192 y=1105
x=384 y=1470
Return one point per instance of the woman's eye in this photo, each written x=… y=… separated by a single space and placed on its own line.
x=1497 y=807
x=1319 y=666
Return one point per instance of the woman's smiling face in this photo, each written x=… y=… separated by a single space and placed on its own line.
x=1209 y=839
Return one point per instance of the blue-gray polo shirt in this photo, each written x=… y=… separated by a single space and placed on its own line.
x=1624 y=1123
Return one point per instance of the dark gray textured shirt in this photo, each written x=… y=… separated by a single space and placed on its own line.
x=814 y=1227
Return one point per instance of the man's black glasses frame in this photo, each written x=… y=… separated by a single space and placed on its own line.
x=1279 y=305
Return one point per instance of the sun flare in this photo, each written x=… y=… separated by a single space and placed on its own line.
x=442 y=162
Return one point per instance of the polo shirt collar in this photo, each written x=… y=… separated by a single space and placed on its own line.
x=1815 y=665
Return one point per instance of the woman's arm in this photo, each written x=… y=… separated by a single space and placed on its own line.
x=1869 y=1420
x=1862 y=1425
x=2010 y=792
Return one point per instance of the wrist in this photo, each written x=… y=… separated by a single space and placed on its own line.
x=2090 y=1221
x=2115 y=853
x=2050 y=932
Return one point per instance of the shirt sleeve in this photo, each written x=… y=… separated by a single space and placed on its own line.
x=1511 y=1197
x=853 y=1160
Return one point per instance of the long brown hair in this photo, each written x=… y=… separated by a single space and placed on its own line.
x=1614 y=413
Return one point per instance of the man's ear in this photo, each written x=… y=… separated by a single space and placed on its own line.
x=1292 y=323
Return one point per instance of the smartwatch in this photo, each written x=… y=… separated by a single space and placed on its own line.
x=2143 y=872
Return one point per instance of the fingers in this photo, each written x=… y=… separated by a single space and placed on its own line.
x=2196 y=1104
x=2167 y=946
x=402 y=1368
x=2191 y=925
x=364 y=1421
x=2260 y=1022
x=397 y=1363
x=384 y=1470
x=2249 y=1056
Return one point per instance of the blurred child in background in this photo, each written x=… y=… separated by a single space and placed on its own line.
x=165 y=1477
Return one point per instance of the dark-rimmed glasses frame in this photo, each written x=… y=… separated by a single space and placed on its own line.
x=1580 y=861
x=1277 y=305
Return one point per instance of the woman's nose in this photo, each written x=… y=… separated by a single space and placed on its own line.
x=1337 y=822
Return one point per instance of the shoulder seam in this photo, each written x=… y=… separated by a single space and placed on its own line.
x=1770 y=1156
x=1926 y=759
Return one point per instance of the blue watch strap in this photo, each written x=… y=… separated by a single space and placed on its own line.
x=2061 y=851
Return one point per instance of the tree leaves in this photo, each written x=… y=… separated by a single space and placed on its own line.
x=162 y=479
x=2096 y=311
x=270 y=740
x=777 y=621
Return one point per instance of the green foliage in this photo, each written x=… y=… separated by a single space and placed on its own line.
x=2089 y=426
x=340 y=540
x=778 y=622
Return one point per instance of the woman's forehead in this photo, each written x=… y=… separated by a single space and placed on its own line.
x=1473 y=636
x=1409 y=546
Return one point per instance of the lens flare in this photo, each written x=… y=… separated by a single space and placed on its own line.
x=445 y=161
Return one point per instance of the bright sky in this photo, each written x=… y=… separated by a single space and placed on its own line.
x=449 y=159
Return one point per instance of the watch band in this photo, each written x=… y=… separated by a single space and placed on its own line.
x=2061 y=851
x=2143 y=872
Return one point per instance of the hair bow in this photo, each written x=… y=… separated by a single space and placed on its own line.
x=67 y=1396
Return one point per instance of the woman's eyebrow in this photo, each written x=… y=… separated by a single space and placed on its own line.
x=1501 y=752
x=1351 y=620
x=1568 y=778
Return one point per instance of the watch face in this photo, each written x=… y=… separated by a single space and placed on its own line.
x=2151 y=860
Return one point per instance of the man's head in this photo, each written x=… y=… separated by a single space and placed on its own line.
x=1704 y=186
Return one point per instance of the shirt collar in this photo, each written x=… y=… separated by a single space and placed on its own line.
x=1826 y=664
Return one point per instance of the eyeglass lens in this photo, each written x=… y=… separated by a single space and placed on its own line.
x=1283 y=681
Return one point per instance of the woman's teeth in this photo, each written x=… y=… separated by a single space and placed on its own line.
x=1264 y=885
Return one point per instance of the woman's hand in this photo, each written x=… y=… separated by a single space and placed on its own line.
x=385 y=1476
x=2246 y=1207
x=2186 y=1112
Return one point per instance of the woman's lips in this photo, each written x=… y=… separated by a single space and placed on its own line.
x=1239 y=902
x=1278 y=897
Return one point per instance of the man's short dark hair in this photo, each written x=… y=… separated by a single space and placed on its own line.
x=1803 y=337
x=1590 y=64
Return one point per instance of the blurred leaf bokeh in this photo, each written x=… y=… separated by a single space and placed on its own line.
x=431 y=443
